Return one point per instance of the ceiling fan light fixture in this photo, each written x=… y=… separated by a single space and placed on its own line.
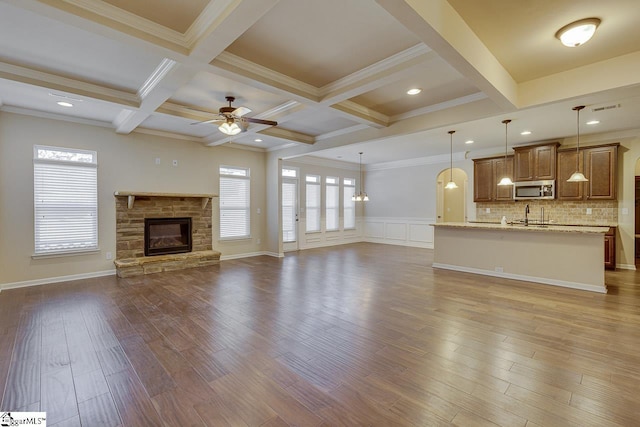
x=578 y=33
x=229 y=128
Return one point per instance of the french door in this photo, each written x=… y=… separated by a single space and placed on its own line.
x=290 y=214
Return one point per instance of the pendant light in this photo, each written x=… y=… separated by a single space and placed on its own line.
x=451 y=184
x=577 y=175
x=362 y=195
x=506 y=180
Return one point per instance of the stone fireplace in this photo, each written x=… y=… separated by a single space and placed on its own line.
x=162 y=232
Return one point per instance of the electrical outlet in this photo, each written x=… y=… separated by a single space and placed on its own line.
x=175 y=163
x=109 y=255
x=488 y=210
x=589 y=211
x=157 y=160
x=259 y=211
x=625 y=211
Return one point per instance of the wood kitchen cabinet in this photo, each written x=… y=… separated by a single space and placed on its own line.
x=535 y=162
x=486 y=175
x=599 y=165
x=610 y=249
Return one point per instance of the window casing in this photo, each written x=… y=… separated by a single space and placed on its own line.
x=235 y=203
x=65 y=190
x=332 y=203
x=312 y=203
x=348 y=205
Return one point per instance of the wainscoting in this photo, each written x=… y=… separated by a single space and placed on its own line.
x=415 y=232
x=329 y=238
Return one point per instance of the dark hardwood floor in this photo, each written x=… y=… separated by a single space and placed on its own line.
x=361 y=334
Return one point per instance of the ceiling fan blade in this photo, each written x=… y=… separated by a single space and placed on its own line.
x=240 y=111
x=209 y=121
x=260 y=121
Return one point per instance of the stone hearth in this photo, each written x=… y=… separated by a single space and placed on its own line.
x=131 y=210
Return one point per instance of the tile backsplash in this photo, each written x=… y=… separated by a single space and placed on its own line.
x=603 y=212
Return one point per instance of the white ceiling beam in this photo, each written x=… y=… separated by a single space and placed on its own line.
x=438 y=25
x=55 y=82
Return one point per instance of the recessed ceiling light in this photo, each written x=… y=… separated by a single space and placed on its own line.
x=414 y=91
x=525 y=132
x=469 y=141
x=593 y=122
x=257 y=140
x=578 y=32
x=64 y=104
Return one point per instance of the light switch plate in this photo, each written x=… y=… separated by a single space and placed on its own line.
x=625 y=211
x=488 y=210
x=588 y=211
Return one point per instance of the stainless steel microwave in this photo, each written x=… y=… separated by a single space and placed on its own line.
x=525 y=190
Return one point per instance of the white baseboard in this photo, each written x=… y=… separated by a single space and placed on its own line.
x=58 y=279
x=626 y=267
x=423 y=245
x=250 y=254
x=542 y=280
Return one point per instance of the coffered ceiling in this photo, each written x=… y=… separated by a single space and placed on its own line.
x=332 y=73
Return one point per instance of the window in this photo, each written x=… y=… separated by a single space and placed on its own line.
x=349 y=206
x=289 y=204
x=332 y=203
x=235 y=203
x=65 y=200
x=313 y=203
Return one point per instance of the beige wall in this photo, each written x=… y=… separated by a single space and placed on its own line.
x=454 y=209
x=125 y=162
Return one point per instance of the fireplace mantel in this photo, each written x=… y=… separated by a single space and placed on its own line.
x=131 y=195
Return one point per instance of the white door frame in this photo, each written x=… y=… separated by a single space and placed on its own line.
x=295 y=245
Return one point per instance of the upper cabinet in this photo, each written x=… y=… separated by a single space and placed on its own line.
x=486 y=175
x=535 y=162
x=599 y=165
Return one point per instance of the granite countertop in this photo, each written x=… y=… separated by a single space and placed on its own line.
x=531 y=228
x=554 y=224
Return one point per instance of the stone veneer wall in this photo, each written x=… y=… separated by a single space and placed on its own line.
x=130 y=222
x=603 y=212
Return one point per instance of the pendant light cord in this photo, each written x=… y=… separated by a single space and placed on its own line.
x=451 y=132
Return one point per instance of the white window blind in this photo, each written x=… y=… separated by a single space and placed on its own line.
x=313 y=203
x=332 y=203
x=235 y=203
x=65 y=200
x=349 y=206
x=289 y=211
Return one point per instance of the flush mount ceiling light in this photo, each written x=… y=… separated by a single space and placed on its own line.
x=414 y=91
x=451 y=184
x=578 y=33
x=506 y=180
x=362 y=195
x=64 y=104
x=577 y=175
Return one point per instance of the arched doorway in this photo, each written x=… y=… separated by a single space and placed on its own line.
x=451 y=203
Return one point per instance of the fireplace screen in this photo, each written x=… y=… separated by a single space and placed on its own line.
x=167 y=236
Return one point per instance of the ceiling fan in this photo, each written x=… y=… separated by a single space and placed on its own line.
x=233 y=119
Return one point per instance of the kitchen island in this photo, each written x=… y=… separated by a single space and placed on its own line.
x=568 y=256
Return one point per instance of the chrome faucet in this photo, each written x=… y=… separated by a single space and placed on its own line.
x=526 y=215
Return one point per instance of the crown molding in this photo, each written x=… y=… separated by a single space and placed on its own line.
x=376 y=68
x=247 y=67
x=213 y=14
x=165 y=66
x=123 y=17
x=440 y=106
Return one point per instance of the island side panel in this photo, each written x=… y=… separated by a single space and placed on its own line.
x=559 y=258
